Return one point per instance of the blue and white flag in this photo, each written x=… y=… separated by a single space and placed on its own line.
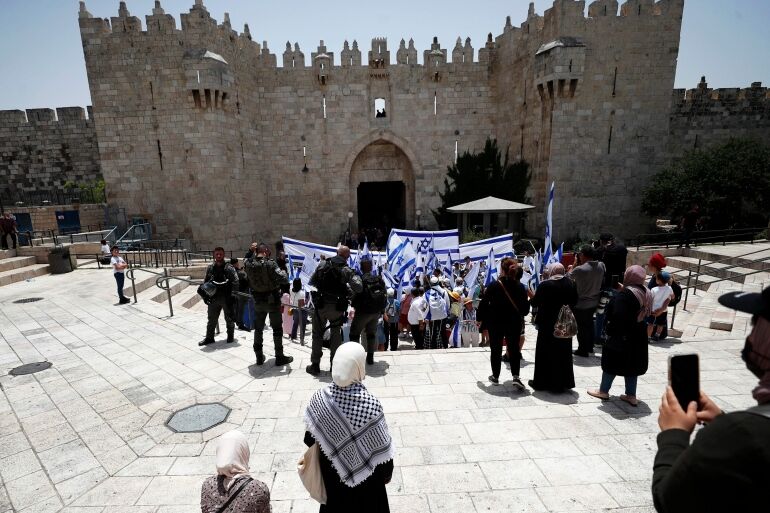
x=456 y=339
x=548 y=247
x=478 y=250
x=491 y=269
x=442 y=242
x=472 y=277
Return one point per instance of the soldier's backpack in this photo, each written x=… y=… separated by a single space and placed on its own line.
x=330 y=280
x=261 y=274
x=373 y=298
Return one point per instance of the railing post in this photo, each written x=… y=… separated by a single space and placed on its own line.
x=695 y=290
x=673 y=316
x=687 y=290
x=156 y=260
x=133 y=284
x=168 y=293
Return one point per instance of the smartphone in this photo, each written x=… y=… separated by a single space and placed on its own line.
x=684 y=378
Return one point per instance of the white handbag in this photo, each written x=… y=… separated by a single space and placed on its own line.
x=309 y=469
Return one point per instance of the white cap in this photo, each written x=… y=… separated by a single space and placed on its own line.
x=433 y=280
x=391 y=292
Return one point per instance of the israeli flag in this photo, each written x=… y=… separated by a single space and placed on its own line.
x=472 y=277
x=478 y=250
x=442 y=242
x=456 y=339
x=549 y=227
x=491 y=269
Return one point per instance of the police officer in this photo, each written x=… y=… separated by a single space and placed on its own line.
x=224 y=276
x=265 y=280
x=370 y=305
x=335 y=283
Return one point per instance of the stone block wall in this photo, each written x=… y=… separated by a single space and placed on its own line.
x=704 y=117
x=42 y=149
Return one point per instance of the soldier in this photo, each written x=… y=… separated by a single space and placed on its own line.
x=370 y=305
x=335 y=283
x=224 y=277
x=265 y=280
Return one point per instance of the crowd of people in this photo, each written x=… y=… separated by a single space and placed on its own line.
x=611 y=305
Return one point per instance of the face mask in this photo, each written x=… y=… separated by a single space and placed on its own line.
x=746 y=356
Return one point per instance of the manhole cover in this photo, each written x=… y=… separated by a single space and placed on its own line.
x=30 y=368
x=28 y=300
x=198 y=418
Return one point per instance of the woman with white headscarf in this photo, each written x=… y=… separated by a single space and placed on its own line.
x=553 y=356
x=625 y=352
x=347 y=422
x=233 y=489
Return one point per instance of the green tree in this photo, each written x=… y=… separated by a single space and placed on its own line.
x=478 y=175
x=730 y=183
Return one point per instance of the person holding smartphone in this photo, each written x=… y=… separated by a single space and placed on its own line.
x=727 y=467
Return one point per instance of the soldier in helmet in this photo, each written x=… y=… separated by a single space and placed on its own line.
x=265 y=281
x=221 y=279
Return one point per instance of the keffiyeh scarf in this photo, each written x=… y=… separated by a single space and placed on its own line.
x=349 y=425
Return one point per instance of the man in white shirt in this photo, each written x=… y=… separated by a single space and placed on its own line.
x=119 y=270
x=416 y=316
x=105 y=252
x=661 y=296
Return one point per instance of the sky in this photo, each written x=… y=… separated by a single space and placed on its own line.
x=41 y=58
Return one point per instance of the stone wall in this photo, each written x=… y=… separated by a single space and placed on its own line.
x=704 y=117
x=43 y=149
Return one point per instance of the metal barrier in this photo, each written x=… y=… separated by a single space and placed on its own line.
x=137 y=233
x=698 y=237
x=157 y=258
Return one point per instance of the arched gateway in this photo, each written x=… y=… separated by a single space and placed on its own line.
x=382 y=181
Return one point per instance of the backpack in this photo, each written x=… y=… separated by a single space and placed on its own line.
x=437 y=304
x=566 y=325
x=261 y=274
x=373 y=298
x=677 y=293
x=329 y=279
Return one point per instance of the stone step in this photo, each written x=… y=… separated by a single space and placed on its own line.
x=754 y=261
x=720 y=270
x=188 y=297
x=7 y=253
x=143 y=282
x=8 y=264
x=722 y=319
x=23 y=273
x=176 y=287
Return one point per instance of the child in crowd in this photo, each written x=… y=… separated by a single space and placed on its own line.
x=119 y=270
x=469 y=327
x=662 y=295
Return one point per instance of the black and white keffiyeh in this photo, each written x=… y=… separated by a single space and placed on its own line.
x=349 y=425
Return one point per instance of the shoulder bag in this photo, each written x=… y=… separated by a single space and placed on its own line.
x=232 y=497
x=309 y=469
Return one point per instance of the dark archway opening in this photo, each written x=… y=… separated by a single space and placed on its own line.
x=381 y=205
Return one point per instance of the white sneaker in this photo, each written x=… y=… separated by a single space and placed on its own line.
x=517 y=384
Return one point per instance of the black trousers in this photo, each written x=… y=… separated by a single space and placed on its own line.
x=391 y=335
x=13 y=237
x=417 y=336
x=586 y=330
x=217 y=305
x=276 y=324
x=511 y=334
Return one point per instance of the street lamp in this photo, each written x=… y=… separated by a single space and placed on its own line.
x=350 y=218
x=419 y=213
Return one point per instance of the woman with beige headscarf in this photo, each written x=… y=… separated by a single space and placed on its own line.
x=553 y=356
x=348 y=424
x=233 y=489
x=625 y=352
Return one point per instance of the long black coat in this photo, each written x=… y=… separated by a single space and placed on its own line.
x=625 y=352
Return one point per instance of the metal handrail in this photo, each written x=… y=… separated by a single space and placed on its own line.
x=133 y=228
x=676 y=237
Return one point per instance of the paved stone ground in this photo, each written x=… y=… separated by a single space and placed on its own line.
x=87 y=435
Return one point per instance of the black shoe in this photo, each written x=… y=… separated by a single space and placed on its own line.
x=581 y=353
x=370 y=359
x=283 y=360
x=260 y=358
x=313 y=369
x=494 y=380
x=206 y=341
x=230 y=340
x=124 y=301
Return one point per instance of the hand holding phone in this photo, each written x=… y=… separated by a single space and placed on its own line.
x=684 y=378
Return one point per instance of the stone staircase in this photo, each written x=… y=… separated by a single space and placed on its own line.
x=15 y=268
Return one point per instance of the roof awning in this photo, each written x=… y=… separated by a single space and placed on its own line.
x=490 y=205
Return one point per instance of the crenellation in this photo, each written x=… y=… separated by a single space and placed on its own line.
x=197 y=126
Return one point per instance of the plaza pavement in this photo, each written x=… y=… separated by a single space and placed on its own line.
x=87 y=435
